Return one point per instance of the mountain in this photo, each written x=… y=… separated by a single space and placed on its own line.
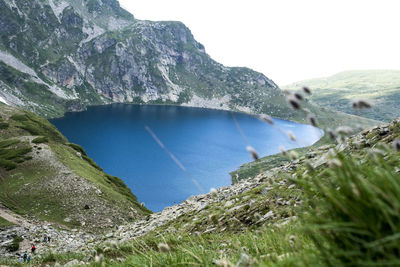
x=43 y=177
x=381 y=87
x=62 y=55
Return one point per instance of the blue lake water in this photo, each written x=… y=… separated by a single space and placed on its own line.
x=205 y=141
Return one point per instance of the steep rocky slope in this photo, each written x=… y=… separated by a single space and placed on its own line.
x=45 y=178
x=59 y=55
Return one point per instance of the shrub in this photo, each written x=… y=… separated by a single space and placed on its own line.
x=7 y=164
x=354 y=210
x=7 y=143
x=121 y=187
x=41 y=139
x=36 y=125
x=14 y=246
x=3 y=125
x=77 y=148
x=91 y=162
x=19 y=117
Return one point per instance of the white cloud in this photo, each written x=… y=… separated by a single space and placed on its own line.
x=288 y=40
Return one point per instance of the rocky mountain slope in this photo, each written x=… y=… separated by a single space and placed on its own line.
x=60 y=55
x=63 y=55
x=257 y=217
x=45 y=178
x=380 y=87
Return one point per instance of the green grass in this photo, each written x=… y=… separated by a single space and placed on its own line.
x=336 y=92
x=349 y=216
x=13 y=152
x=40 y=140
x=14 y=246
x=36 y=125
x=5 y=223
x=264 y=247
x=354 y=214
x=23 y=177
x=117 y=192
x=283 y=246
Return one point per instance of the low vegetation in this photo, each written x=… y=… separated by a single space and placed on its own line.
x=43 y=176
x=4 y=223
x=12 y=152
x=349 y=217
x=14 y=246
x=354 y=209
x=335 y=203
x=338 y=91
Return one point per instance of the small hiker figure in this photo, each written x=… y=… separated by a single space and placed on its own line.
x=44 y=239
x=29 y=259
x=48 y=239
x=25 y=256
x=33 y=249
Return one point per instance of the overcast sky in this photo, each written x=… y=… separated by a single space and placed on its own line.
x=288 y=40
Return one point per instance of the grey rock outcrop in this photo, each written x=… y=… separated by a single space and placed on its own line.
x=94 y=52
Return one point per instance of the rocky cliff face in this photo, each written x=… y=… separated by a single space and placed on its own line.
x=60 y=55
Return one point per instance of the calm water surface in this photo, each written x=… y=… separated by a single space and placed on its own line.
x=206 y=141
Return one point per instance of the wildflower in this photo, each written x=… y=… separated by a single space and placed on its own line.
x=361 y=104
x=331 y=133
x=283 y=150
x=257 y=216
x=298 y=96
x=344 y=130
x=213 y=191
x=332 y=153
x=293 y=102
x=309 y=165
x=292 y=238
x=244 y=260
x=396 y=144
x=253 y=152
x=311 y=118
x=291 y=136
x=99 y=258
x=334 y=163
x=267 y=119
x=293 y=155
x=223 y=263
x=163 y=247
x=306 y=90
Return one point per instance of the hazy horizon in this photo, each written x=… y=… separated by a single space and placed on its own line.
x=288 y=41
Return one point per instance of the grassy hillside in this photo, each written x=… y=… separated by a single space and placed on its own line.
x=336 y=92
x=336 y=207
x=45 y=177
x=4 y=223
x=279 y=223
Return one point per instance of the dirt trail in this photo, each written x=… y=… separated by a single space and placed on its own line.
x=12 y=217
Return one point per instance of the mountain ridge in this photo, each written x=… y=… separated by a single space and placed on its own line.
x=111 y=57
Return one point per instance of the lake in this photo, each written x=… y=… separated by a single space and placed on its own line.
x=206 y=142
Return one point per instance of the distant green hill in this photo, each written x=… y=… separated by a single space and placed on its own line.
x=382 y=87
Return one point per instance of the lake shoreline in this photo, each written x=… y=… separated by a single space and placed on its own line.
x=250 y=113
x=206 y=141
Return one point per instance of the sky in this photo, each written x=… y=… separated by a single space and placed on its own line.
x=288 y=40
